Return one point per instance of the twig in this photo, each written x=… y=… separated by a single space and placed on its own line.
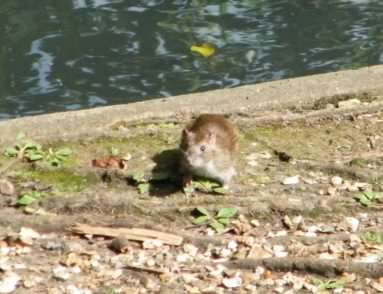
x=145 y=269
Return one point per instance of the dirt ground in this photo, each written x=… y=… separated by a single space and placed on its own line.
x=302 y=225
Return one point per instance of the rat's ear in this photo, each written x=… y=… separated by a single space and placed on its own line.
x=187 y=134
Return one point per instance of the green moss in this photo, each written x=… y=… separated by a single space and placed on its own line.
x=142 y=142
x=361 y=162
x=61 y=179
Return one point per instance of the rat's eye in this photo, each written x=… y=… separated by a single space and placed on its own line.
x=203 y=148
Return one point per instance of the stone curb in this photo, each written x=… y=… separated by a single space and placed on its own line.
x=264 y=96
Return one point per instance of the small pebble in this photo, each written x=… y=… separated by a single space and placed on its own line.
x=336 y=181
x=150 y=262
x=183 y=258
x=377 y=286
x=61 y=273
x=32 y=281
x=331 y=191
x=9 y=282
x=113 y=274
x=232 y=245
x=7 y=188
x=151 y=244
x=288 y=222
x=225 y=252
x=348 y=103
x=309 y=181
x=352 y=223
x=190 y=249
x=279 y=251
x=291 y=180
x=27 y=235
x=189 y=278
x=54 y=245
x=72 y=289
x=233 y=282
x=255 y=223
x=252 y=163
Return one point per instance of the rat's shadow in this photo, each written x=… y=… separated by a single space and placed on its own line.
x=166 y=175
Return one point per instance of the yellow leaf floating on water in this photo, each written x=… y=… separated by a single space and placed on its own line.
x=205 y=49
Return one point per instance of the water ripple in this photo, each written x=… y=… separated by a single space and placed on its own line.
x=75 y=54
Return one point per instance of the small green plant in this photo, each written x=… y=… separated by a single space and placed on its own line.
x=359 y=162
x=205 y=186
x=142 y=183
x=28 y=198
x=367 y=198
x=114 y=151
x=58 y=157
x=34 y=152
x=29 y=150
x=218 y=222
x=329 y=284
x=373 y=237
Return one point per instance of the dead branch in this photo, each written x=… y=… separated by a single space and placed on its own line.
x=285 y=240
x=324 y=267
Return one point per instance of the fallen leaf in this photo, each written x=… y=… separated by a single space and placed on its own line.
x=109 y=162
x=205 y=49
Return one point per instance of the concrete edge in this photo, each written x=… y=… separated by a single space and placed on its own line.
x=270 y=95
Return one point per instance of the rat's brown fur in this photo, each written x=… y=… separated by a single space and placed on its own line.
x=218 y=136
x=226 y=135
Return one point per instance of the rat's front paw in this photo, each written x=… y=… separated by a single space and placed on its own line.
x=187 y=180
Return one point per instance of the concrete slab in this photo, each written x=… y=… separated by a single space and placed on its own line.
x=270 y=95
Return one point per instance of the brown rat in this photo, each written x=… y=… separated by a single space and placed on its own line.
x=208 y=146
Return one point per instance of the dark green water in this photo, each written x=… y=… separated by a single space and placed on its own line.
x=60 y=55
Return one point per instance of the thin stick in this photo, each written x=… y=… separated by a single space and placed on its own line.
x=145 y=269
